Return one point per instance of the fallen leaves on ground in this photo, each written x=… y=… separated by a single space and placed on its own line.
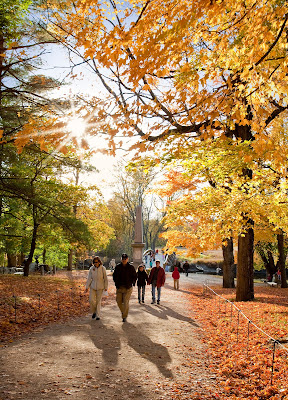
x=239 y=346
x=35 y=301
x=241 y=350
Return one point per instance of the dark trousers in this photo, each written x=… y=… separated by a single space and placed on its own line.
x=141 y=288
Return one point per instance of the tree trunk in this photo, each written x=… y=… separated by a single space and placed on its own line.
x=12 y=260
x=32 y=249
x=228 y=264
x=271 y=267
x=282 y=259
x=245 y=268
x=268 y=261
x=70 y=260
x=44 y=255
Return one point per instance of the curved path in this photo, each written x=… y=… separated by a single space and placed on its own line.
x=156 y=354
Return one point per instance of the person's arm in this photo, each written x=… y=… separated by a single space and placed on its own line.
x=134 y=275
x=116 y=274
x=150 y=276
x=105 y=278
x=89 y=280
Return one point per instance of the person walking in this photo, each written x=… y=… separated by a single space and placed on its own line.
x=157 y=280
x=142 y=278
x=97 y=282
x=112 y=264
x=124 y=277
x=186 y=267
x=176 y=276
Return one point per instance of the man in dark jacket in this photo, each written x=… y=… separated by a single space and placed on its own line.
x=186 y=267
x=124 y=277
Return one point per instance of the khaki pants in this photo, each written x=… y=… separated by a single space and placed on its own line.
x=95 y=297
x=122 y=297
x=176 y=284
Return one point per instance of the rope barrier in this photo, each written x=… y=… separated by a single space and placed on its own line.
x=250 y=323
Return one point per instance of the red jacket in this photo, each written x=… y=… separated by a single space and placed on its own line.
x=175 y=273
x=160 y=277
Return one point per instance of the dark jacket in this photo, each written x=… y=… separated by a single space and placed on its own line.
x=160 y=276
x=142 y=278
x=124 y=275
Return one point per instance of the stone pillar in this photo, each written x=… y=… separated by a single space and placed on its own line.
x=138 y=244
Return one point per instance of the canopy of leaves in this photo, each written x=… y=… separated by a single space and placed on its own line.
x=200 y=68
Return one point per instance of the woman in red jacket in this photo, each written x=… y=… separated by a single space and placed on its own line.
x=176 y=276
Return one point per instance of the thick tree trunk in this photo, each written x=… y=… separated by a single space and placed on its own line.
x=245 y=268
x=228 y=264
x=282 y=259
x=12 y=260
x=70 y=260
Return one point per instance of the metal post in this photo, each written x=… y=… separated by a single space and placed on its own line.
x=238 y=324
x=15 y=308
x=39 y=301
x=58 y=302
x=273 y=359
x=248 y=336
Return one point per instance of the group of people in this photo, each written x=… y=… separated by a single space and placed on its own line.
x=124 y=277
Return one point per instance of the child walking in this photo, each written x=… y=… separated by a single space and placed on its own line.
x=142 y=278
x=176 y=276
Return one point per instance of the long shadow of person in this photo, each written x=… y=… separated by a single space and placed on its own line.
x=101 y=337
x=170 y=287
x=153 y=352
x=164 y=312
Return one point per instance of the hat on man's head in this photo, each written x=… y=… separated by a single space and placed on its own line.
x=124 y=255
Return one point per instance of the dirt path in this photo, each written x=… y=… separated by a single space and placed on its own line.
x=156 y=354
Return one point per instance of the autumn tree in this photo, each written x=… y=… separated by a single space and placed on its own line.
x=194 y=70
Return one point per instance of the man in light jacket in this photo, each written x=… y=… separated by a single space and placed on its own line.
x=97 y=282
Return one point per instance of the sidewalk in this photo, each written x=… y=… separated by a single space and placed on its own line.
x=156 y=354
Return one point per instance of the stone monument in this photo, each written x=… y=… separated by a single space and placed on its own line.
x=138 y=244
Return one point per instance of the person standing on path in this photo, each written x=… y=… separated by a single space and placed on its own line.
x=142 y=278
x=176 y=276
x=97 y=282
x=124 y=277
x=186 y=267
x=157 y=280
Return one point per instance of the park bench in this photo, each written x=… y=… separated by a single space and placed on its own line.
x=272 y=284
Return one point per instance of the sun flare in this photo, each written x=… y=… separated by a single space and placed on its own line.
x=76 y=126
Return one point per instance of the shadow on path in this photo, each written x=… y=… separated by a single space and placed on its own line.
x=170 y=287
x=153 y=352
x=107 y=340
x=164 y=312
